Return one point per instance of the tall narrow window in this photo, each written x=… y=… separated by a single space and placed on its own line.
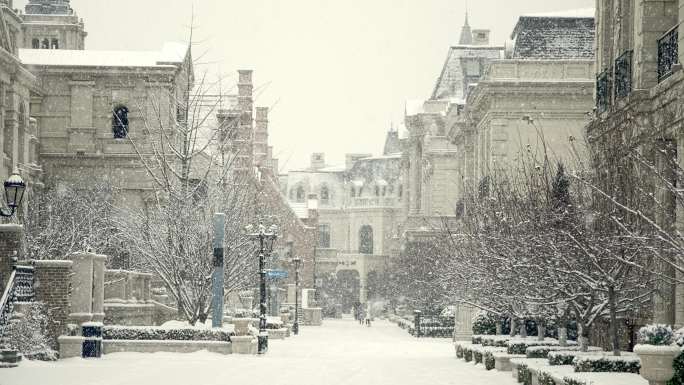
x=352 y=192
x=54 y=44
x=300 y=194
x=45 y=44
x=366 y=240
x=120 y=122
x=35 y=43
x=324 y=236
x=325 y=195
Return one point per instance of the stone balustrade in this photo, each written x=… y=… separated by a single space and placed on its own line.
x=128 y=298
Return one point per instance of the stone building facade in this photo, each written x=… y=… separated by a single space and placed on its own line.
x=72 y=117
x=430 y=159
x=531 y=105
x=359 y=206
x=639 y=90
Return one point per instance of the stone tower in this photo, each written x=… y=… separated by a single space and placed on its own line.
x=466 y=33
x=52 y=24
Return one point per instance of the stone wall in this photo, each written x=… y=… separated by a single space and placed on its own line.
x=52 y=285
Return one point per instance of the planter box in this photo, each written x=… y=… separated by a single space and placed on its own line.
x=656 y=362
x=154 y=346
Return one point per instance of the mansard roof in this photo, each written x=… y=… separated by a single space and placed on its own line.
x=451 y=83
x=562 y=36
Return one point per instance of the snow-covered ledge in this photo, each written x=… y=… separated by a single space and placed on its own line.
x=152 y=346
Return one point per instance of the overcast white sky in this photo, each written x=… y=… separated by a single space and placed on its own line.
x=339 y=70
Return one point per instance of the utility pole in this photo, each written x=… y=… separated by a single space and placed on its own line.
x=217 y=276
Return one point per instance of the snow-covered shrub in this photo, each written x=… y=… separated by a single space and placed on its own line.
x=656 y=334
x=489 y=361
x=546 y=379
x=524 y=374
x=28 y=334
x=477 y=340
x=484 y=323
x=561 y=357
x=573 y=381
x=620 y=364
x=543 y=351
x=467 y=354
x=477 y=356
x=520 y=346
x=160 y=333
x=459 y=351
x=678 y=366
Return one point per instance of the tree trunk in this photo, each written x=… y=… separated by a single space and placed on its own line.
x=613 y=321
x=512 y=333
x=541 y=330
x=499 y=327
x=583 y=336
x=523 y=329
x=563 y=331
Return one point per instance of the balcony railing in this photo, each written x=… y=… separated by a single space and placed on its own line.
x=668 y=53
x=623 y=75
x=602 y=91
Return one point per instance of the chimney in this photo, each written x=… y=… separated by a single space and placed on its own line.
x=481 y=37
x=317 y=161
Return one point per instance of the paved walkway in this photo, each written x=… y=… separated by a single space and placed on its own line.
x=340 y=352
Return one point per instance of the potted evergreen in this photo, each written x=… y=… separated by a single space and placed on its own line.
x=657 y=352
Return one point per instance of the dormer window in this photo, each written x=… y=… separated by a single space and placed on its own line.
x=120 y=122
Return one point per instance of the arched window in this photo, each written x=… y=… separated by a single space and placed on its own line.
x=300 y=194
x=120 y=122
x=45 y=44
x=54 y=44
x=366 y=240
x=325 y=195
x=35 y=43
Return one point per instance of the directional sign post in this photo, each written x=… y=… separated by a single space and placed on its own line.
x=276 y=274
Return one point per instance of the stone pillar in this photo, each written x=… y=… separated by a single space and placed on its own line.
x=11 y=250
x=82 y=288
x=463 y=322
x=98 y=287
x=52 y=286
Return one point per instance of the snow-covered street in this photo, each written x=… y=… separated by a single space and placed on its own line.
x=340 y=352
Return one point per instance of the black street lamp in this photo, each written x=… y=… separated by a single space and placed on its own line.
x=266 y=240
x=14 y=193
x=295 y=326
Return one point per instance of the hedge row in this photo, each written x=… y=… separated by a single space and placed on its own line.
x=158 y=333
x=620 y=364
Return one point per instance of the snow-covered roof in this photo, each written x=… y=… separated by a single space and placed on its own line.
x=171 y=54
x=554 y=37
x=452 y=80
x=571 y=13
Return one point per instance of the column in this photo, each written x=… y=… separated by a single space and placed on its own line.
x=463 y=322
x=98 y=287
x=82 y=288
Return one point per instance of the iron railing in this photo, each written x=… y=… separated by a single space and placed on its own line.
x=432 y=325
x=19 y=289
x=602 y=91
x=623 y=75
x=668 y=51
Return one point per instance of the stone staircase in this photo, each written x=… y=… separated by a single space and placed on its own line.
x=18 y=291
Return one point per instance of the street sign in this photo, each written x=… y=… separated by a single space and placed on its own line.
x=276 y=274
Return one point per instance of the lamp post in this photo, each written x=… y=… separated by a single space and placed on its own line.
x=14 y=193
x=266 y=240
x=295 y=326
